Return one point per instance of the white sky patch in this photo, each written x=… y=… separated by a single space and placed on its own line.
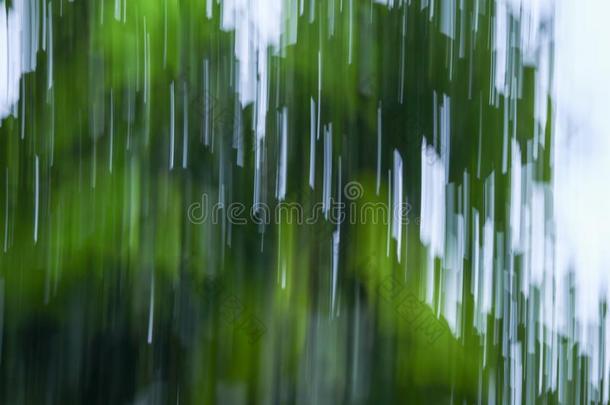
x=432 y=225
x=257 y=25
x=581 y=151
x=10 y=56
x=20 y=34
